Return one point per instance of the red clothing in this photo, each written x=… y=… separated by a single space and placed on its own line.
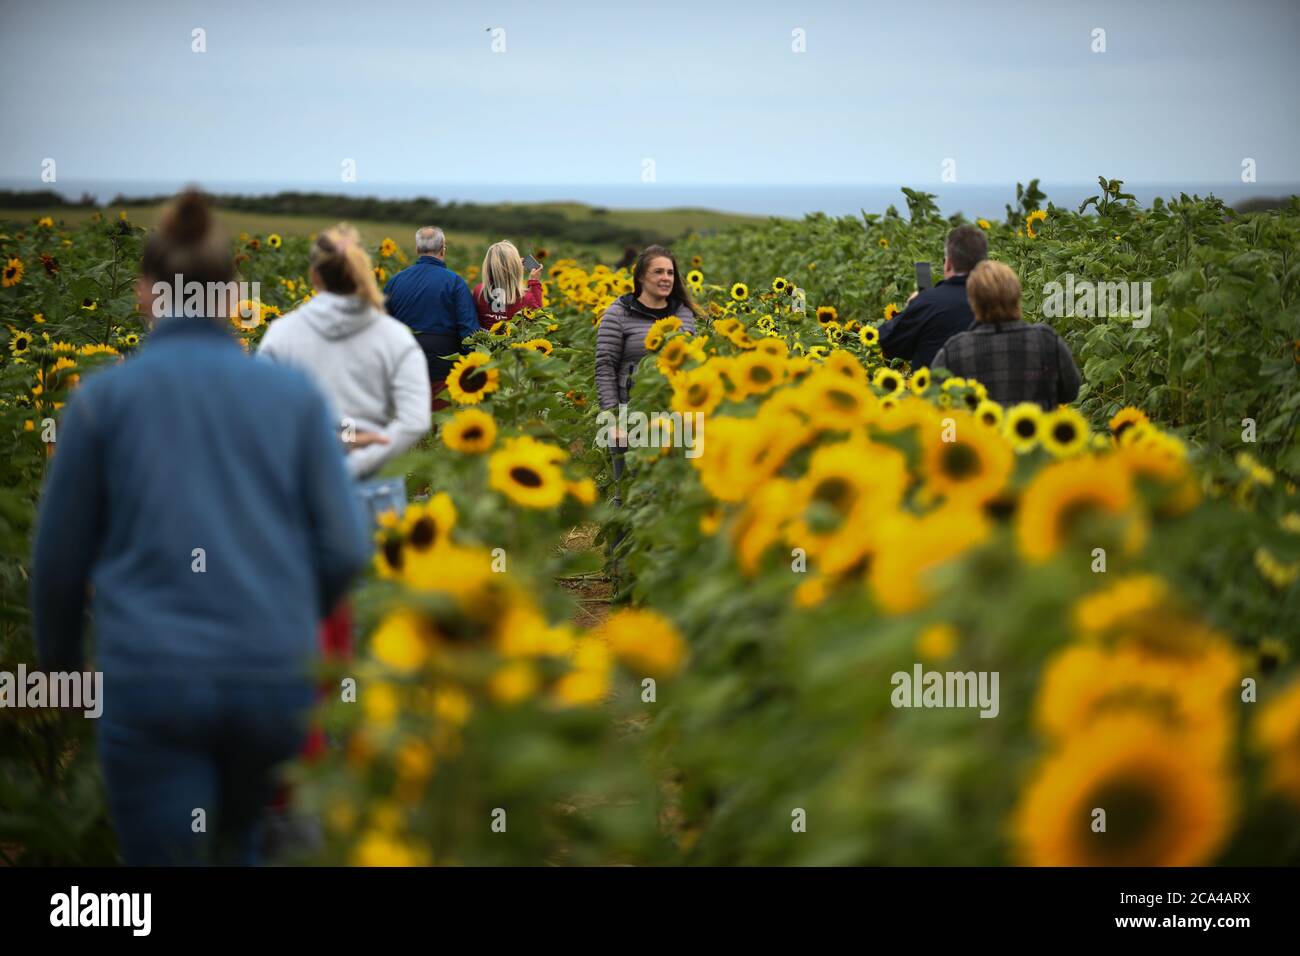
x=532 y=299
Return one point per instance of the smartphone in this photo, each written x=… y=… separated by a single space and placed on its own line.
x=530 y=264
x=923 y=280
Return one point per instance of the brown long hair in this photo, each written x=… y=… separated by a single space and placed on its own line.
x=188 y=242
x=679 y=287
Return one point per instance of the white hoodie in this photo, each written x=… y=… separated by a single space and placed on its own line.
x=367 y=363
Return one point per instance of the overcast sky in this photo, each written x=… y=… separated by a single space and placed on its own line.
x=712 y=92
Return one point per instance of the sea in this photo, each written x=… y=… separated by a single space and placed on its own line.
x=792 y=201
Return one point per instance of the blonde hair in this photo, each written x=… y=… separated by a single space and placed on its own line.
x=343 y=265
x=994 y=292
x=503 y=269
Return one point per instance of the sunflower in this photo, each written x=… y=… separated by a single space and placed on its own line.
x=19 y=343
x=674 y=355
x=387 y=248
x=780 y=285
x=13 y=273
x=526 y=472
x=469 y=382
x=837 y=403
x=131 y=340
x=1126 y=418
x=699 y=390
x=759 y=373
x=983 y=224
x=887 y=380
x=1037 y=215
x=1167 y=802
x=910 y=549
x=740 y=292
x=1276 y=732
x=919 y=381
x=837 y=503
x=869 y=336
x=427 y=525
x=46 y=222
x=381 y=274
x=775 y=347
x=695 y=278
x=1068 y=492
x=989 y=414
x=1022 y=425
x=274 y=241
x=846 y=364
x=470 y=432
x=973 y=467
x=535 y=345
x=1064 y=432
x=891 y=310
x=645 y=641
x=883 y=243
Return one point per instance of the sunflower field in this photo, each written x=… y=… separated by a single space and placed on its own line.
x=710 y=672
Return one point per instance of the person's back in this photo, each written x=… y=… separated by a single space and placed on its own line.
x=936 y=314
x=503 y=292
x=202 y=495
x=1014 y=360
x=368 y=364
x=435 y=303
x=209 y=555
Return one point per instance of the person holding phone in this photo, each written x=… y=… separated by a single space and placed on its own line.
x=502 y=292
x=936 y=314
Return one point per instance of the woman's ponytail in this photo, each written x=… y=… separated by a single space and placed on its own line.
x=343 y=265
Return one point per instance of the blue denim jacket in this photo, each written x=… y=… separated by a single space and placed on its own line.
x=204 y=497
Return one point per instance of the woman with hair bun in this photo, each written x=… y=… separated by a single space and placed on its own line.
x=203 y=498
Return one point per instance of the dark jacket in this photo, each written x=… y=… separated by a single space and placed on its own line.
x=204 y=496
x=620 y=345
x=929 y=320
x=1015 y=361
x=429 y=297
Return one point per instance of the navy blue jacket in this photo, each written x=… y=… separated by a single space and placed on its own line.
x=933 y=317
x=191 y=444
x=429 y=297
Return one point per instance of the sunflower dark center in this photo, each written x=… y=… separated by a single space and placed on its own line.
x=842 y=399
x=393 y=553
x=1133 y=817
x=525 y=476
x=473 y=381
x=760 y=374
x=1064 y=432
x=423 y=533
x=1025 y=427
x=960 y=461
x=473 y=433
x=697 y=394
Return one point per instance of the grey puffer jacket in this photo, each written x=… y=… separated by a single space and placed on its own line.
x=620 y=345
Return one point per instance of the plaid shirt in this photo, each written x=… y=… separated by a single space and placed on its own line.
x=1015 y=361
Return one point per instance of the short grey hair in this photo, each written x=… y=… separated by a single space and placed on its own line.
x=429 y=241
